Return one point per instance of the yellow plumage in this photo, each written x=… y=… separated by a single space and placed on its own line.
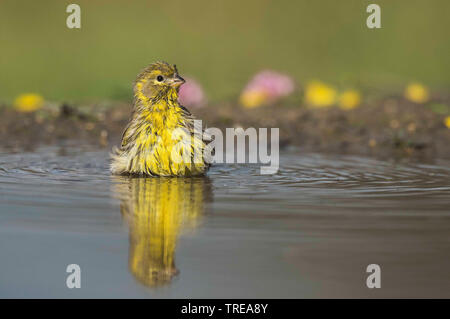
x=160 y=138
x=158 y=210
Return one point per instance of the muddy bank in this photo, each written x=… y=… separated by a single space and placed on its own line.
x=388 y=127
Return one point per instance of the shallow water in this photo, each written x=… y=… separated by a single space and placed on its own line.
x=308 y=231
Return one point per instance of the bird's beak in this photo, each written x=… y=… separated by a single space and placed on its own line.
x=176 y=81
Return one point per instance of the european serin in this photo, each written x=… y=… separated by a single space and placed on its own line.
x=160 y=139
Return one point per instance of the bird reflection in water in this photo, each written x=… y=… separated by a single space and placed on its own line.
x=157 y=211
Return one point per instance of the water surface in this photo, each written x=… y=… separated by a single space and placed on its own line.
x=308 y=231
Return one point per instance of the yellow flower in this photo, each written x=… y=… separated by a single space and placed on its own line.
x=349 y=99
x=417 y=93
x=447 y=121
x=319 y=94
x=253 y=98
x=28 y=102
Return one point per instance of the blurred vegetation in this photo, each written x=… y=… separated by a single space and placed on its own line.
x=220 y=43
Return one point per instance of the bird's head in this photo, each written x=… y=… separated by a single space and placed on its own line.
x=157 y=80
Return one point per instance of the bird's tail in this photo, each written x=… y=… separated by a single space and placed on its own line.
x=118 y=163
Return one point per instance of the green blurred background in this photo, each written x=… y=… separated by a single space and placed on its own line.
x=220 y=43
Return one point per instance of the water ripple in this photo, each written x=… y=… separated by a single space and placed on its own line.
x=79 y=176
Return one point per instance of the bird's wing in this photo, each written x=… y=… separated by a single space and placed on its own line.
x=190 y=124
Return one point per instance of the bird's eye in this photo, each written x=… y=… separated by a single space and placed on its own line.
x=160 y=78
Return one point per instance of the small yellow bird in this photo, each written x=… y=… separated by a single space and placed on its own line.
x=161 y=138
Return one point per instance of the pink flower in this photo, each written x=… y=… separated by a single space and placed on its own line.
x=272 y=84
x=191 y=94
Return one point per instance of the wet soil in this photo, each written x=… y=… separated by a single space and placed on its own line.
x=385 y=128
